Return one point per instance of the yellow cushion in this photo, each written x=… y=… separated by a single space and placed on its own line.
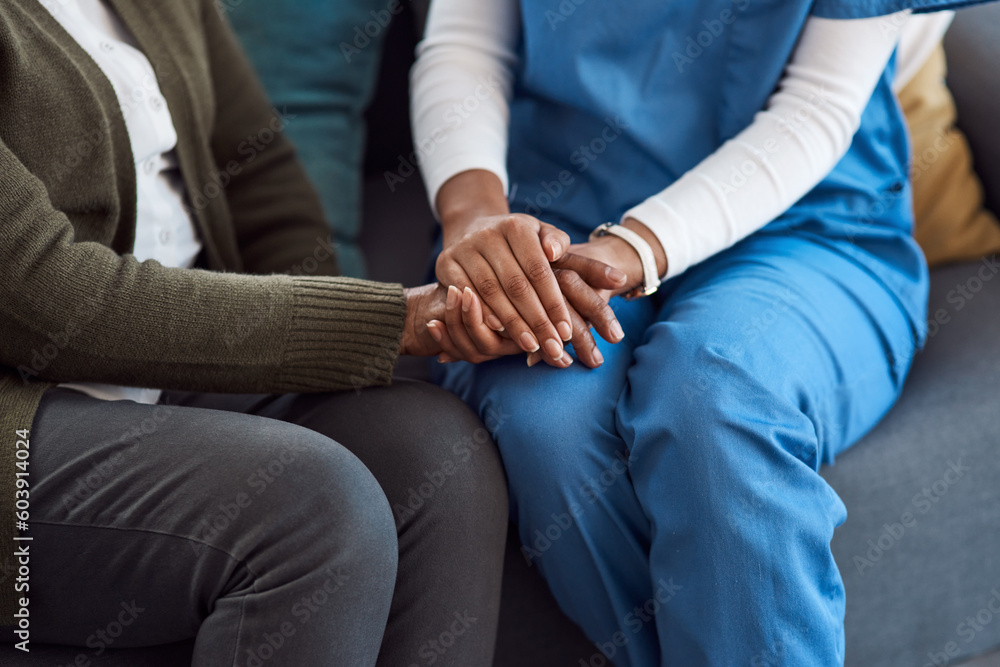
x=951 y=223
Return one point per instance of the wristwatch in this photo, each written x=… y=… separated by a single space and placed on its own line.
x=650 y=276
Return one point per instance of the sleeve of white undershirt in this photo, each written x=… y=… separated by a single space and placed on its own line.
x=461 y=89
x=790 y=146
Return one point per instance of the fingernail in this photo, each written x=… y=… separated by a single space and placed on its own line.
x=444 y=359
x=614 y=274
x=528 y=341
x=616 y=331
x=467 y=297
x=565 y=330
x=494 y=322
x=556 y=250
x=598 y=357
x=532 y=360
x=432 y=326
x=566 y=361
x=554 y=349
x=453 y=296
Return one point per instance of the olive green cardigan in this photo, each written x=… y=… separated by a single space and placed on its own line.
x=75 y=305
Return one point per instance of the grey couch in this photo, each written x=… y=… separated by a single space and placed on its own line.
x=917 y=594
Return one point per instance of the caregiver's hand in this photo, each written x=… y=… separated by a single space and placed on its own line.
x=604 y=251
x=578 y=277
x=504 y=258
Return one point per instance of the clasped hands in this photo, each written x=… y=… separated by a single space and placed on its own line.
x=512 y=284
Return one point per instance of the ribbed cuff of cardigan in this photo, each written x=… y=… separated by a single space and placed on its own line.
x=344 y=332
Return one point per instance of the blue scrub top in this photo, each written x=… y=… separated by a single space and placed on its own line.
x=615 y=100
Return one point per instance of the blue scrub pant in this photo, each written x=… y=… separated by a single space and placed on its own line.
x=671 y=497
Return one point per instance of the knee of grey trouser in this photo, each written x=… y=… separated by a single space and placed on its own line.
x=442 y=475
x=228 y=525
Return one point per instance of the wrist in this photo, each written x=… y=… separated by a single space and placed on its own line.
x=467 y=197
x=406 y=340
x=618 y=253
x=659 y=254
x=423 y=304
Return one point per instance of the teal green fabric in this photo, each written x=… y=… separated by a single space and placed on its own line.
x=319 y=60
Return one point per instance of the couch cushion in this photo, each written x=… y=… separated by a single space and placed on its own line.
x=951 y=223
x=920 y=550
x=319 y=60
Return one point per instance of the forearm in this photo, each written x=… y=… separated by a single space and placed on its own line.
x=462 y=84
x=467 y=197
x=77 y=311
x=788 y=148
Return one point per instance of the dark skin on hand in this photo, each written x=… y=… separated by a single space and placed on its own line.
x=523 y=280
x=452 y=323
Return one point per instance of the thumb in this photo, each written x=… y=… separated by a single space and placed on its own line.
x=554 y=241
x=595 y=273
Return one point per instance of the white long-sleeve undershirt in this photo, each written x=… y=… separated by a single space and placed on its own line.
x=462 y=83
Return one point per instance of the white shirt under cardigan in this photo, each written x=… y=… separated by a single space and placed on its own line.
x=164 y=229
x=791 y=145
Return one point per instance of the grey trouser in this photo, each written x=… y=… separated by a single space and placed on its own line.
x=260 y=525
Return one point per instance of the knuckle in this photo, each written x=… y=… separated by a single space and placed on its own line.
x=518 y=286
x=569 y=278
x=487 y=288
x=509 y=223
x=537 y=271
x=511 y=321
x=538 y=323
x=604 y=310
x=490 y=237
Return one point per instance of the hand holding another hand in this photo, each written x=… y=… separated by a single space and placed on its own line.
x=452 y=323
x=516 y=282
